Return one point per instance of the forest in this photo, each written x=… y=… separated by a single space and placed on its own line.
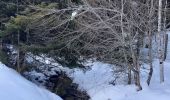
x=79 y=49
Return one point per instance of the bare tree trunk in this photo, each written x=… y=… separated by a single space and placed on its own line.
x=1 y=38
x=150 y=59
x=138 y=65
x=165 y=15
x=150 y=44
x=0 y=43
x=136 y=72
x=18 y=54
x=159 y=43
x=129 y=75
x=138 y=76
x=136 y=68
x=123 y=36
x=27 y=35
x=17 y=6
x=135 y=54
x=18 y=38
x=164 y=35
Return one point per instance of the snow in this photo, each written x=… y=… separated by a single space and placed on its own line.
x=73 y=15
x=14 y=87
x=99 y=75
x=96 y=82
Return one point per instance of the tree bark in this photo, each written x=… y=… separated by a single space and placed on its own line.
x=18 y=54
x=164 y=27
x=150 y=44
x=136 y=69
x=123 y=36
x=160 y=53
x=0 y=43
x=150 y=59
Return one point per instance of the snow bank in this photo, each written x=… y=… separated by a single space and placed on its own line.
x=15 y=87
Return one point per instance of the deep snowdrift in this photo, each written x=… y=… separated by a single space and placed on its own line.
x=15 y=87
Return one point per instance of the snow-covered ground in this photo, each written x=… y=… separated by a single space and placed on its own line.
x=14 y=87
x=96 y=83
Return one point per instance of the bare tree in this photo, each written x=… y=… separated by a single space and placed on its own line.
x=108 y=30
x=124 y=42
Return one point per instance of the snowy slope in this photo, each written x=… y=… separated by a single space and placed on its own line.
x=15 y=87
